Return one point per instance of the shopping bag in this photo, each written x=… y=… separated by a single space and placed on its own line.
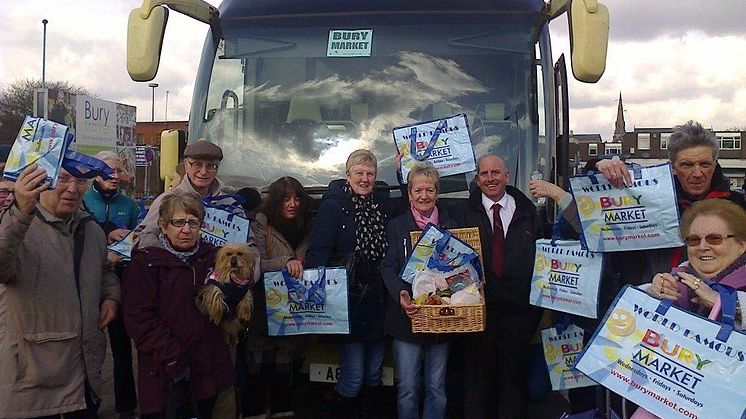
x=566 y=277
x=314 y=304
x=671 y=362
x=444 y=143
x=641 y=216
x=123 y=248
x=223 y=222
x=41 y=142
x=439 y=249
x=561 y=348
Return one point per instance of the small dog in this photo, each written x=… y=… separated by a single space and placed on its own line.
x=227 y=286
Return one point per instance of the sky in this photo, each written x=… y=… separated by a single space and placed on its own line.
x=672 y=60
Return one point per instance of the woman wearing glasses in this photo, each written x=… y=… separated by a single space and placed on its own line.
x=182 y=356
x=715 y=234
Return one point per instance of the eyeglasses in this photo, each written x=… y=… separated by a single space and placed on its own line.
x=712 y=239
x=5 y=192
x=198 y=165
x=179 y=223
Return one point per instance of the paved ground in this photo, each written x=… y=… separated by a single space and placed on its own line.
x=314 y=400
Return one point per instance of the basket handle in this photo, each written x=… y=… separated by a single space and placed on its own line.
x=447 y=312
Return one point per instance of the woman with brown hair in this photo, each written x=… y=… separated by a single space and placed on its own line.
x=282 y=229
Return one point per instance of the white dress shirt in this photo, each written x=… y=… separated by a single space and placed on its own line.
x=507 y=204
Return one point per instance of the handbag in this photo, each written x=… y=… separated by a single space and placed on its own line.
x=41 y=142
x=562 y=343
x=640 y=216
x=224 y=223
x=444 y=143
x=317 y=303
x=566 y=277
x=669 y=361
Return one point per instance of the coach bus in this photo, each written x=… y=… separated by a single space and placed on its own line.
x=290 y=87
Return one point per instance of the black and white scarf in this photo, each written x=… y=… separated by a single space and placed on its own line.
x=370 y=232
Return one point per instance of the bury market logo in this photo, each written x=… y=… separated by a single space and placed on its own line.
x=625 y=209
x=565 y=274
x=428 y=143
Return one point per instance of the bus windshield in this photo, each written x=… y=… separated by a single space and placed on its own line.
x=273 y=98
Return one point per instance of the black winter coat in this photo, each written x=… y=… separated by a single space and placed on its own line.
x=398 y=324
x=333 y=240
x=508 y=293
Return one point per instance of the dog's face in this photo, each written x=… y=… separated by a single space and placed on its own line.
x=234 y=260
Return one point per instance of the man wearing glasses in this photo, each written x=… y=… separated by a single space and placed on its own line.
x=201 y=163
x=59 y=291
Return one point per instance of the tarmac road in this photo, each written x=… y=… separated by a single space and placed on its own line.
x=314 y=400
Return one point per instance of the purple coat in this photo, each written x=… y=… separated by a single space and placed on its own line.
x=169 y=332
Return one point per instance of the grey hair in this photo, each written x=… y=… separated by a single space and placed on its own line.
x=690 y=135
x=361 y=157
x=108 y=155
x=425 y=170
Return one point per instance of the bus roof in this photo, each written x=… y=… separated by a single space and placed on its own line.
x=236 y=9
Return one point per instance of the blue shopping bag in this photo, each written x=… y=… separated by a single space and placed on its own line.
x=445 y=143
x=671 y=362
x=224 y=222
x=562 y=345
x=439 y=249
x=39 y=142
x=566 y=277
x=314 y=304
x=640 y=216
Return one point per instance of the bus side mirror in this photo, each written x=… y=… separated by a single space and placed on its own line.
x=589 y=38
x=171 y=150
x=144 y=42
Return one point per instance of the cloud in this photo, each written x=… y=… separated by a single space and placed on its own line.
x=86 y=45
x=664 y=81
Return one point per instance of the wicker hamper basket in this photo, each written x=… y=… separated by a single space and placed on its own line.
x=452 y=318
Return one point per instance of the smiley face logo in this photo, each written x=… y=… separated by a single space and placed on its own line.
x=540 y=265
x=621 y=322
x=585 y=205
x=550 y=352
x=273 y=297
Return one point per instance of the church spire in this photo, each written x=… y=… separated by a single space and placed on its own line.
x=619 y=128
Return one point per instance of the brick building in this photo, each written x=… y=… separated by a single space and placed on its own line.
x=649 y=146
x=149 y=133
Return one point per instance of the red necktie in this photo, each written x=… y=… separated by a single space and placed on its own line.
x=498 y=241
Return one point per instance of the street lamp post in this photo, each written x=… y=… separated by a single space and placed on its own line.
x=165 y=116
x=152 y=103
x=44 y=55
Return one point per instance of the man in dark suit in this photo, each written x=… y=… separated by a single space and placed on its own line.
x=495 y=363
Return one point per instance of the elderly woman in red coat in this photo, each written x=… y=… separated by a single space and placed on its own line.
x=183 y=360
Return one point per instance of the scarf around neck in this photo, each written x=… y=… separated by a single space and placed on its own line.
x=370 y=232
x=422 y=220
x=183 y=256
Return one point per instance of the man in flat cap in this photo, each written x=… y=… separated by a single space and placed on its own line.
x=201 y=163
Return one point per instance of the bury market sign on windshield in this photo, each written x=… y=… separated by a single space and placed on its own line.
x=349 y=43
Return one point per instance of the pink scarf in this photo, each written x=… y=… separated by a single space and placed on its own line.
x=422 y=220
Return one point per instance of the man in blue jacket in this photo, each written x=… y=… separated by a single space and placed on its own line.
x=117 y=216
